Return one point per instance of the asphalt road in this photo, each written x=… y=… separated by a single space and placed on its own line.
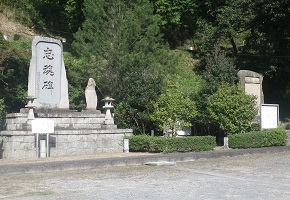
x=258 y=176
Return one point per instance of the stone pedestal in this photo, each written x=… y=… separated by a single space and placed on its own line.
x=76 y=133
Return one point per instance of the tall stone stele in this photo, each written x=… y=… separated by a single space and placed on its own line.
x=252 y=84
x=47 y=81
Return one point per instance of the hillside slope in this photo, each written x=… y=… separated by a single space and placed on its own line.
x=14 y=30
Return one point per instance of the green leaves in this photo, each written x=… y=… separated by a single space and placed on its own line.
x=232 y=109
x=218 y=69
x=257 y=139
x=13 y=78
x=173 y=107
x=123 y=48
x=178 y=19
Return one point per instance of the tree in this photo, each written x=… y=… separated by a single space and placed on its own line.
x=172 y=109
x=2 y=113
x=14 y=64
x=226 y=23
x=231 y=109
x=122 y=45
x=267 y=50
x=178 y=19
x=218 y=69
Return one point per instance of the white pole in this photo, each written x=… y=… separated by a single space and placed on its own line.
x=226 y=142
x=37 y=145
x=126 y=145
x=42 y=149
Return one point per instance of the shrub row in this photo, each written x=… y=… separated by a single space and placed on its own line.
x=265 y=138
x=144 y=143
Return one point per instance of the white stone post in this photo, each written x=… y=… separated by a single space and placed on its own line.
x=126 y=145
x=226 y=141
x=42 y=148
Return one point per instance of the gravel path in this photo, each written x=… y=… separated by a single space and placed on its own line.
x=260 y=176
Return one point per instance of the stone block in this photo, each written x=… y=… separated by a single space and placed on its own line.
x=94 y=120
x=77 y=120
x=29 y=139
x=11 y=127
x=65 y=120
x=252 y=83
x=252 y=80
x=62 y=126
x=71 y=151
x=61 y=139
x=57 y=120
x=26 y=146
x=16 y=120
x=86 y=126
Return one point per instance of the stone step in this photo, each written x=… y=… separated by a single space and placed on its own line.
x=72 y=132
x=70 y=115
x=15 y=127
x=77 y=126
x=78 y=120
x=16 y=120
x=60 y=120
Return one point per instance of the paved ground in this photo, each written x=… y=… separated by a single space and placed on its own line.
x=118 y=159
x=247 y=176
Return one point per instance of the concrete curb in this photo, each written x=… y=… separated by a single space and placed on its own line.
x=130 y=160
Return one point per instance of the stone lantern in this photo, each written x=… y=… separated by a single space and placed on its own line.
x=108 y=106
x=30 y=106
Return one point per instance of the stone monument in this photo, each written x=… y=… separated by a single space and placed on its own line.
x=252 y=84
x=47 y=81
x=75 y=133
x=91 y=95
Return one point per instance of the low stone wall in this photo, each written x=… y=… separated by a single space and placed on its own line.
x=22 y=144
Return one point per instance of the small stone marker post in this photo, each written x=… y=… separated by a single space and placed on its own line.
x=42 y=126
x=226 y=141
x=126 y=145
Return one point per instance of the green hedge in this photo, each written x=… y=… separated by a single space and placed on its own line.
x=144 y=143
x=265 y=138
x=139 y=143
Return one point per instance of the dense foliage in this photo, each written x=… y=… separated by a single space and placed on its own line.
x=174 y=110
x=265 y=138
x=123 y=46
x=143 y=143
x=13 y=75
x=232 y=109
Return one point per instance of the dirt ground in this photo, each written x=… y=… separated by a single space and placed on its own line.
x=12 y=29
x=259 y=176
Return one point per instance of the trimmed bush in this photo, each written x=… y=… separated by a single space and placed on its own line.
x=142 y=143
x=139 y=143
x=265 y=138
x=231 y=109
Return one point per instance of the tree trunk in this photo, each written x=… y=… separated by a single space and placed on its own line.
x=235 y=50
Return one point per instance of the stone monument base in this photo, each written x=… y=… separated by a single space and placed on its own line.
x=76 y=133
